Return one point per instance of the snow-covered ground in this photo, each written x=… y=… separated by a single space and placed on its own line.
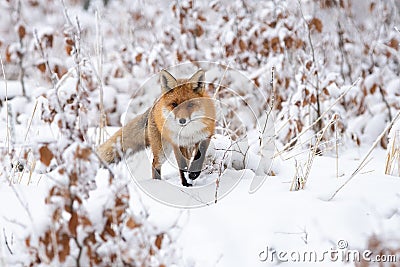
x=240 y=228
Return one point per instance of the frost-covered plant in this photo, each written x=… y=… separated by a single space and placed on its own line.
x=72 y=235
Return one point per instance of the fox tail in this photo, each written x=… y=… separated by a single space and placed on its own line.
x=131 y=138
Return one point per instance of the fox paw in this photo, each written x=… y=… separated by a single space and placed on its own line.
x=187 y=184
x=194 y=175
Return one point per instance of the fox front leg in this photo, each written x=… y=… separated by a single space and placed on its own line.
x=157 y=159
x=156 y=169
x=198 y=160
x=182 y=164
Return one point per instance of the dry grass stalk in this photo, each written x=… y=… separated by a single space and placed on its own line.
x=302 y=177
x=7 y=119
x=392 y=166
x=99 y=75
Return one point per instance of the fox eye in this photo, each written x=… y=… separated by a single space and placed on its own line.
x=174 y=104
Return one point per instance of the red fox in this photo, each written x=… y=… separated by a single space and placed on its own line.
x=181 y=120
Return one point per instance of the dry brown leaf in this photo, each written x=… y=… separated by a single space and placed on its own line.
x=372 y=7
x=288 y=42
x=69 y=41
x=83 y=153
x=68 y=49
x=64 y=249
x=21 y=32
x=373 y=89
x=41 y=67
x=139 y=57
x=159 y=240
x=73 y=223
x=309 y=64
x=8 y=55
x=242 y=45
x=316 y=24
x=275 y=44
x=199 y=31
x=394 y=43
x=45 y=155
x=313 y=99
x=131 y=224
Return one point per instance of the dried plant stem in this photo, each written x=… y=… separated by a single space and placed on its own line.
x=53 y=76
x=337 y=148
x=393 y=155
x=272 y=84
x=220 y=82
x=362 y=164
x=386 y=103
x=99 y=54
x=343 y=53
x=314 y=149
x=316 y=85
x=292 y=186
x=7 y=118
x=6 y=242
x=300 y=180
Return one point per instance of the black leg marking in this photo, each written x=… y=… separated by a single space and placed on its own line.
x=157 y=173
x=182 y=164
x=198 y=160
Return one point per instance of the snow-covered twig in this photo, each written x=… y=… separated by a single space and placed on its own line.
x=220 y=81
x=6 y=94
x=6 y=242
x=271 y=108
x=317 y=86
x=53 y=75
x=336 y=145
x=313 y=153
x=99 y=74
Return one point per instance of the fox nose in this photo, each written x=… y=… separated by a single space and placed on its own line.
x=182 y=121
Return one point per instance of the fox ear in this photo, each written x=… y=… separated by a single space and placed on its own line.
x=198 y=80
x=168 y=82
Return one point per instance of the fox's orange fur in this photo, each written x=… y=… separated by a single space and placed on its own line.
x=181 y=120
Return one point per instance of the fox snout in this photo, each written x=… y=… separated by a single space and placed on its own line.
x=182 y=121
x=183 y=113
x=182 y=118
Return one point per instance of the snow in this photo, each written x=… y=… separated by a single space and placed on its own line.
x=234 y=231
x=10 y=89
x=393 y=86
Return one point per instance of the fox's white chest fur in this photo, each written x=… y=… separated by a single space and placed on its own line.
x=188 y=135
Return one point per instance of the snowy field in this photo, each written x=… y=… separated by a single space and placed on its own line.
x=241 y=227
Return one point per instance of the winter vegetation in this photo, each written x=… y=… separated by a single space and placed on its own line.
x=308 y=102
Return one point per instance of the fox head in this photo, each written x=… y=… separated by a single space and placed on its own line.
x=183 y=97
x=184 y=113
